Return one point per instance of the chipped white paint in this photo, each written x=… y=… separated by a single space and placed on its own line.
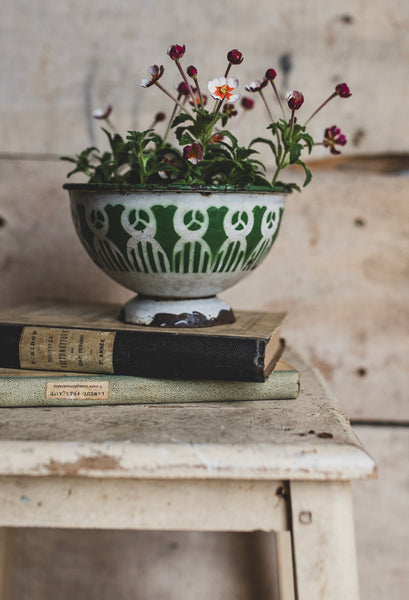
x=195 y=467
x=307 y=438
x=142 y=504
x=324 y=541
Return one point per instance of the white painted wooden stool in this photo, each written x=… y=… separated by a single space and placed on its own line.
x=282 y=466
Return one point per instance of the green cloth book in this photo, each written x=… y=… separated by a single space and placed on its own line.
x=20 y=388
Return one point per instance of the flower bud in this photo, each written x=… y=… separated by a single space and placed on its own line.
x=102 y=113
x=256 y=86
x=247 y=103
x=235 y=57
x=294 y=99
x=182 y=89
x=192 y=71
x=342 y=90
x=271 y=74
x=176 y=51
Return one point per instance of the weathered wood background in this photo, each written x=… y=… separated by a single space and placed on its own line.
x=340 y=265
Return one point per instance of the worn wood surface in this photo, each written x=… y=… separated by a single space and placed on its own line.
x=84 y=55
x=380 y=510
x=98 y=565
x=306 y=438
x=104 y=503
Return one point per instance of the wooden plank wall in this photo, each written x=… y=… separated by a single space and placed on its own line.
x=340 y=265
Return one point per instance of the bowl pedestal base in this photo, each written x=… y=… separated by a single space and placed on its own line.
x=183 y=312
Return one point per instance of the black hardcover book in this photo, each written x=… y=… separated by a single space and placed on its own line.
x=88 y=337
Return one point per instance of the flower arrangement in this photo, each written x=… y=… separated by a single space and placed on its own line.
x=205 y=151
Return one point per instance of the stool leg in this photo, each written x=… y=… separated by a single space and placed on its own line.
x=6 y=561
x=285 y=565
x=323 y=540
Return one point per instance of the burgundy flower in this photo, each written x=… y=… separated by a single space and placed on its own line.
x=229 y=110
x=155 y=73
x=235 y=57
x=342 y=90
x=193 y=153
x=192 y=71
x=182 y=89
x=176 y=51
x=271 y=74
x=256 y=86
x=332 y=137
x=102 y=113
x=294 y=99
x=247 y=103
x=160 y=116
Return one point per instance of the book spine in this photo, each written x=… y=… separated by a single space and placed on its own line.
x=137 y=353
x=88 y=390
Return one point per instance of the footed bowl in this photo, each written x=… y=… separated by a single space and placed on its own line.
x=176 y=248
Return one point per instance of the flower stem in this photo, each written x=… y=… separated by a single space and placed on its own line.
x=266 y=105
x=172 y=97
x=179 y=66
x=319 y=108
x=278 y=98
x=172 y=116
x=292 y=123
x=227 y=70
x=199 y=92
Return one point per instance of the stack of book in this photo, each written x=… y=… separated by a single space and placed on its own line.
x=58 y=353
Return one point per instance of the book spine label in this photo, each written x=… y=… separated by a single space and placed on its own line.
x=58 y=349
x=80 y=390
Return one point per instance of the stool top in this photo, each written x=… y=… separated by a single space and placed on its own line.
x=306 y=438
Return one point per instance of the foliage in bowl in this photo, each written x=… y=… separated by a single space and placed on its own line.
x=198 y=147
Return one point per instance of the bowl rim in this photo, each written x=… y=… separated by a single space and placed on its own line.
x=202 y=189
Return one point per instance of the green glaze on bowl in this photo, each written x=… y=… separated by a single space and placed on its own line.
x=180 y=243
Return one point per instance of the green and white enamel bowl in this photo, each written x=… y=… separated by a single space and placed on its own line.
x=177 y=248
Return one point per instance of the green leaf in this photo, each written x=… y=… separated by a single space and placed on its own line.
x=308 y=174
x=69 y=159
x=295 y=152
x=285 y=188
x=260 y=140
x=182 y=118
x=186 y=139
x=229 y=135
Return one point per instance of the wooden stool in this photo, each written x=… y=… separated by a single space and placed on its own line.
x=282 y=466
